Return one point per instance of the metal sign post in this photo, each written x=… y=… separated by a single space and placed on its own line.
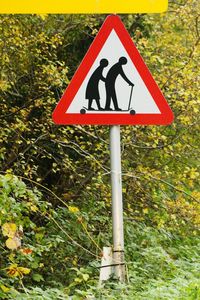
x=117 y=206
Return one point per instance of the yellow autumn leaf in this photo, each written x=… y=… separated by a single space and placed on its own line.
x=12 y=271
x=73 y=209
x=43 y=16
x=15 y=271
x=4 y=288
x=145 y=210
x=74 y=261
x=34 y=208
x=9 y=229
x=24 y=271
x=13 y=243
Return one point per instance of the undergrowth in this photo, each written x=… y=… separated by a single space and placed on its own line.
x=160 y=266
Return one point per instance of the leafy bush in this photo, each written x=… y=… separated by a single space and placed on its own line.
x=40 y=243
x=21 y=209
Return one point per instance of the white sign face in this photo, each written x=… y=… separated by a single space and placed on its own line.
x=139 y=99
x=113 y=85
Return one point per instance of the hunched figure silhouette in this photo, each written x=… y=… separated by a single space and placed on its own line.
x=92 y=90
x=111 y=77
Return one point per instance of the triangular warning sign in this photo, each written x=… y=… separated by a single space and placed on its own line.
x=113 y=85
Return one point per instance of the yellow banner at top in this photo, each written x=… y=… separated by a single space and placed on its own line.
x=82 y=6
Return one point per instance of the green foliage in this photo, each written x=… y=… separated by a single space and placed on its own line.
x=20 y=209
x=34 y=237
x=161 y=265
x=38 y=294
x=17 y=201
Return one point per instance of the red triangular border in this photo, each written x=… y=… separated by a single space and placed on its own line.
x=61 y=117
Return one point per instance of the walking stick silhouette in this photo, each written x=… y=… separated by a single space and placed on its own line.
x=130 y=97
x=132 y=111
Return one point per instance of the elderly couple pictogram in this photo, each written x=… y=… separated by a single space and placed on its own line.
x=92 y=90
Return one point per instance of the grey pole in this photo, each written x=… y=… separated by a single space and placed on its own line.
x=117 y=205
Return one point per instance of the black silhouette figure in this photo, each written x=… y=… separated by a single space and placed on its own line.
x=111 y=77
x=92 y=90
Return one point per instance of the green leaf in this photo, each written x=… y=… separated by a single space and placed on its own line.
x=37 y=277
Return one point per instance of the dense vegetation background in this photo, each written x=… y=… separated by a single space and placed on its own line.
x=55 y=195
